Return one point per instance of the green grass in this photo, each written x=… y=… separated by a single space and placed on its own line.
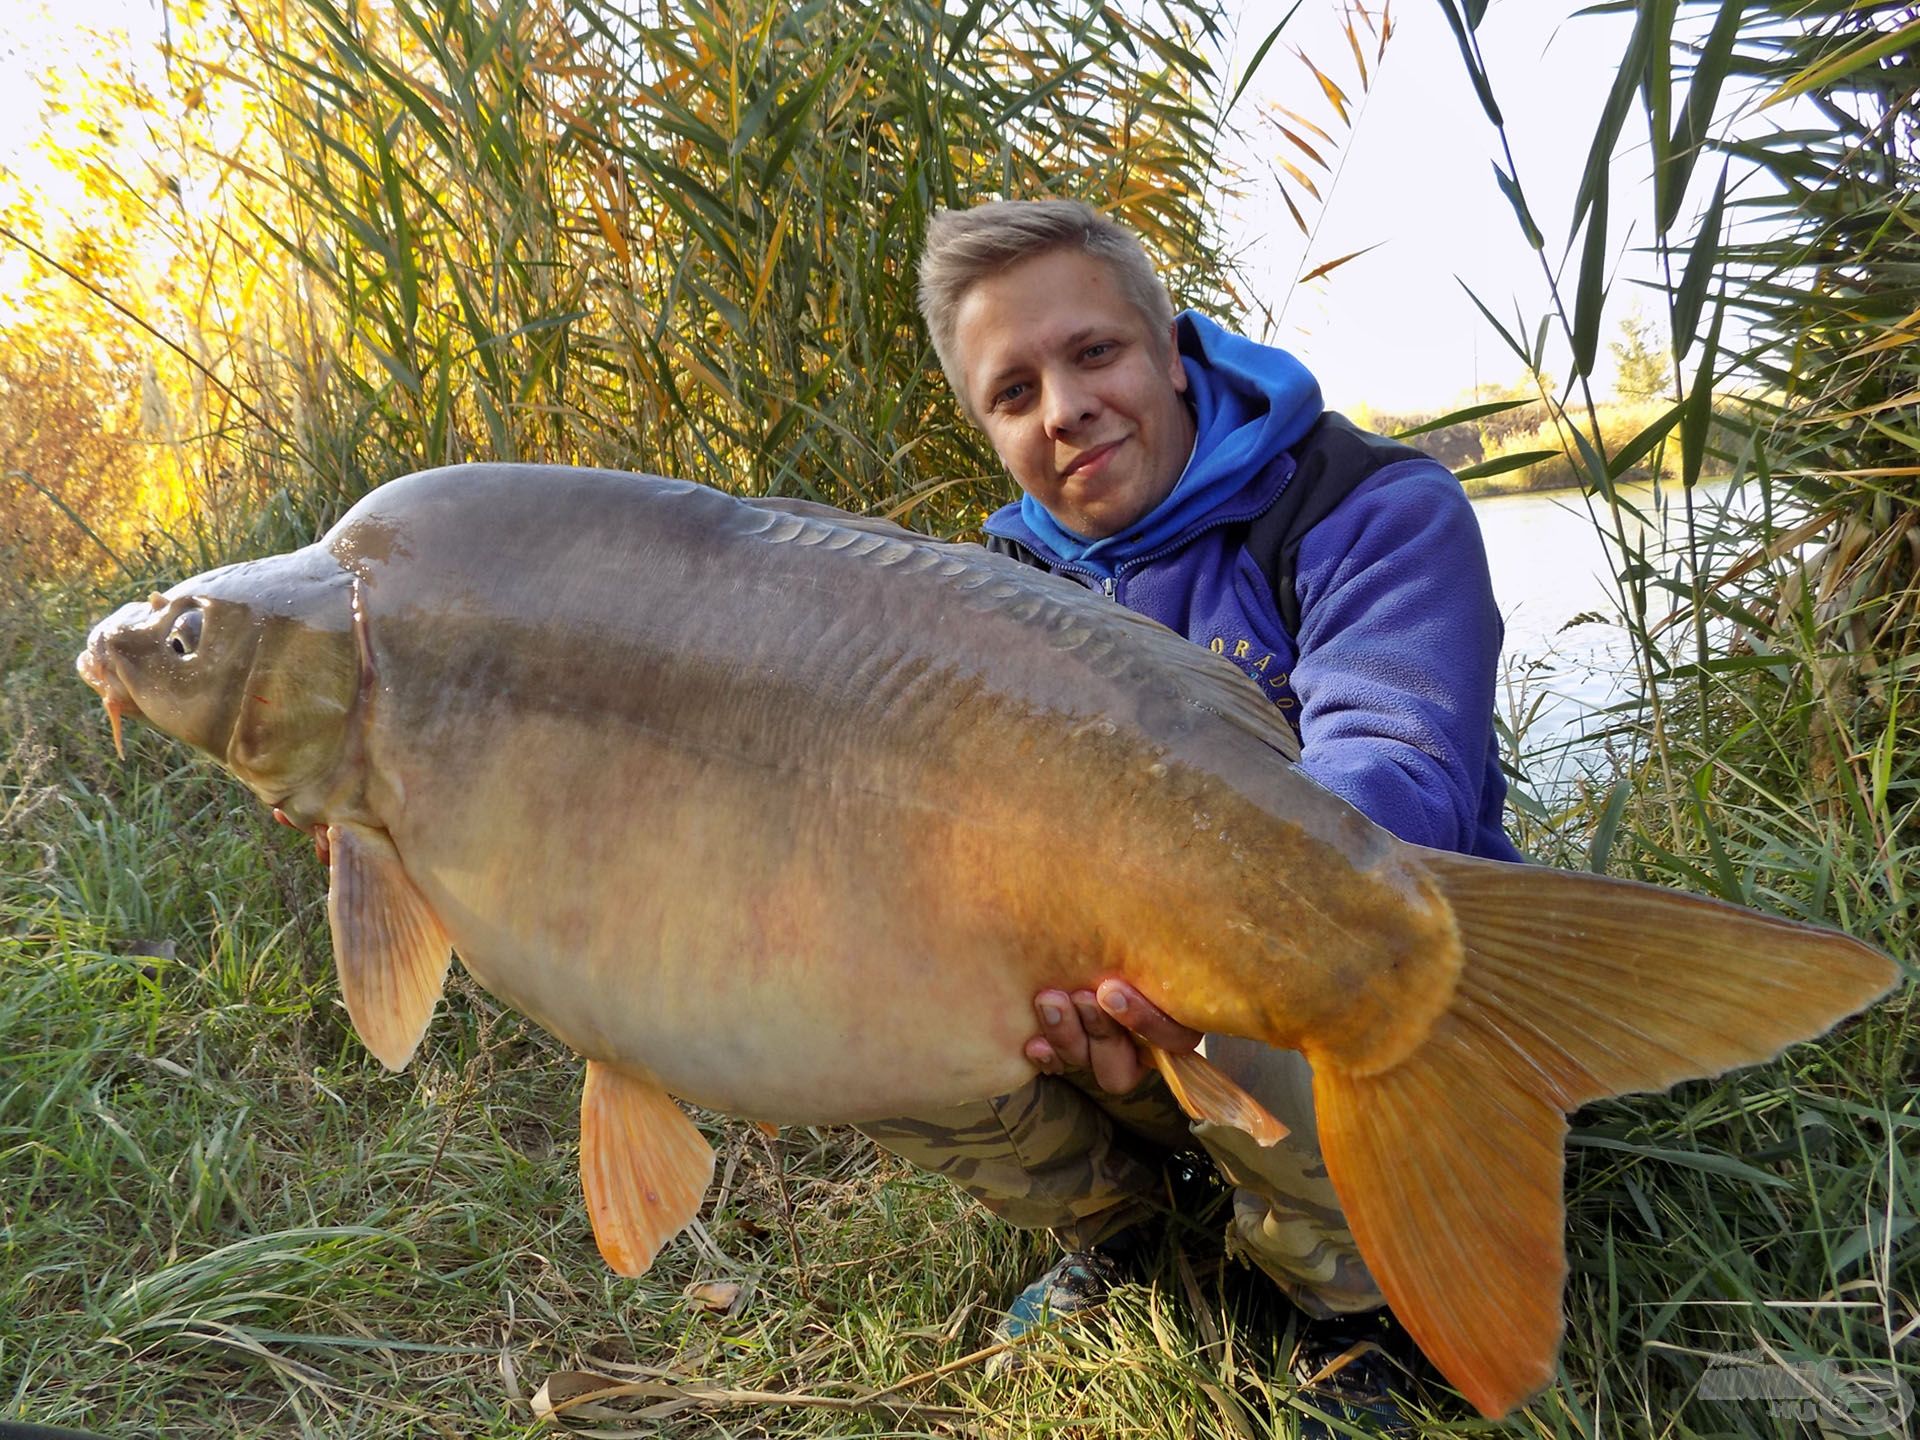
x=219 y=1216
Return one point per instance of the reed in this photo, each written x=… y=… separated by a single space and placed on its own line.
x=1769 y=756
x=682 y=239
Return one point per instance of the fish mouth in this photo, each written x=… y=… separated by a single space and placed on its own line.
x=96 y=668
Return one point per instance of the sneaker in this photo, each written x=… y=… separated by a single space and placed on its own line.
x=1078 y=1281
x=1347 y=1372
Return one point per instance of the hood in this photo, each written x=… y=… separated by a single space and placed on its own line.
x=1250 y=403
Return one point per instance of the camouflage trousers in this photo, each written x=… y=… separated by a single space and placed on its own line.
x=1063 y=1155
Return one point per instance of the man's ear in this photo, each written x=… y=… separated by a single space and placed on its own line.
x=1176 y=372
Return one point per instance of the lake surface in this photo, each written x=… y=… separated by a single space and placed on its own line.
x=1566 y=656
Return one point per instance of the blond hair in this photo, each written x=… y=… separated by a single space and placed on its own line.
x=964 y=247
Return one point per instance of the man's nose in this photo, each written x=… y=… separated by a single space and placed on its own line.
x=1070 y=404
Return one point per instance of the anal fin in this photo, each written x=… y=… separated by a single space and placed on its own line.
x=643 y=1165
x=1206 y=1093
x=388 y=945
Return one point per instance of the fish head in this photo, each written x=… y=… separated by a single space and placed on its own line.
x=255 y=664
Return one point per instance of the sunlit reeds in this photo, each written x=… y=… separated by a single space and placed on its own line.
x=682 y=239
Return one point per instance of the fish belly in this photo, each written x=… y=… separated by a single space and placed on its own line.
x=796 y=967
x=826 y=947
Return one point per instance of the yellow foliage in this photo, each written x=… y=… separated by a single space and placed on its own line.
x=141 y=280
x=69 y=462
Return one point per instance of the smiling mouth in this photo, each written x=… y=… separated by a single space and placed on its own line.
x=1091 y=457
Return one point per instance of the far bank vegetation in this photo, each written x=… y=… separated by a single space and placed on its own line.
x=1530 y=429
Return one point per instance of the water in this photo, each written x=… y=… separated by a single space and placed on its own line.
x=1566 y=657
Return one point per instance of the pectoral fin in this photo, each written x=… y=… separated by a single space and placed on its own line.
x=643 y=1165
x=387 y=944
x=1206 y=1093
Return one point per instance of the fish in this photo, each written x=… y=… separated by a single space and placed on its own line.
x=730 y=795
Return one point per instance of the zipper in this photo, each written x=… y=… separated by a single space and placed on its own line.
x=1092 y=580
x=1188 y=537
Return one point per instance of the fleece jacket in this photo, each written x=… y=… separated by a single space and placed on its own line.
x=1390 y=679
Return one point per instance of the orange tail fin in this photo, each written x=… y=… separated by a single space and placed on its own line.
x=1574 y=987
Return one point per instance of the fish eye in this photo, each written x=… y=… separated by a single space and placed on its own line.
x=184 y=638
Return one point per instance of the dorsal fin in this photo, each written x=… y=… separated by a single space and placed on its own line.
x=829 y=515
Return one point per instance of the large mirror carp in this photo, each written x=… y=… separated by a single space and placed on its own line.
x=731 y=795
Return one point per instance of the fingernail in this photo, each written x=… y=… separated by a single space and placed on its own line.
x=1050 y=1014
x=1114 y=1002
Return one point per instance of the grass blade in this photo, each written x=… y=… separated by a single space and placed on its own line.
x=1518 y=201
x=1461 y=417
x=1260 y=53
x=1462 y=34
x=1696 y=114
x=1702 y=262
x=1590 y=292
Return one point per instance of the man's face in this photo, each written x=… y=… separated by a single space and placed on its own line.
x=1079 y=396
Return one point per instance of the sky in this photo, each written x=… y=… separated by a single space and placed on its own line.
x=1393 y=330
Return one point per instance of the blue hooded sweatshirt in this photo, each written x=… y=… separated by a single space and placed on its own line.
x=1390 y=680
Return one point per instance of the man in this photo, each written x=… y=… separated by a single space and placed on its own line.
x=1158 y=459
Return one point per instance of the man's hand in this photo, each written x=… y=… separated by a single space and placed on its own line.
x=1095 y=1031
